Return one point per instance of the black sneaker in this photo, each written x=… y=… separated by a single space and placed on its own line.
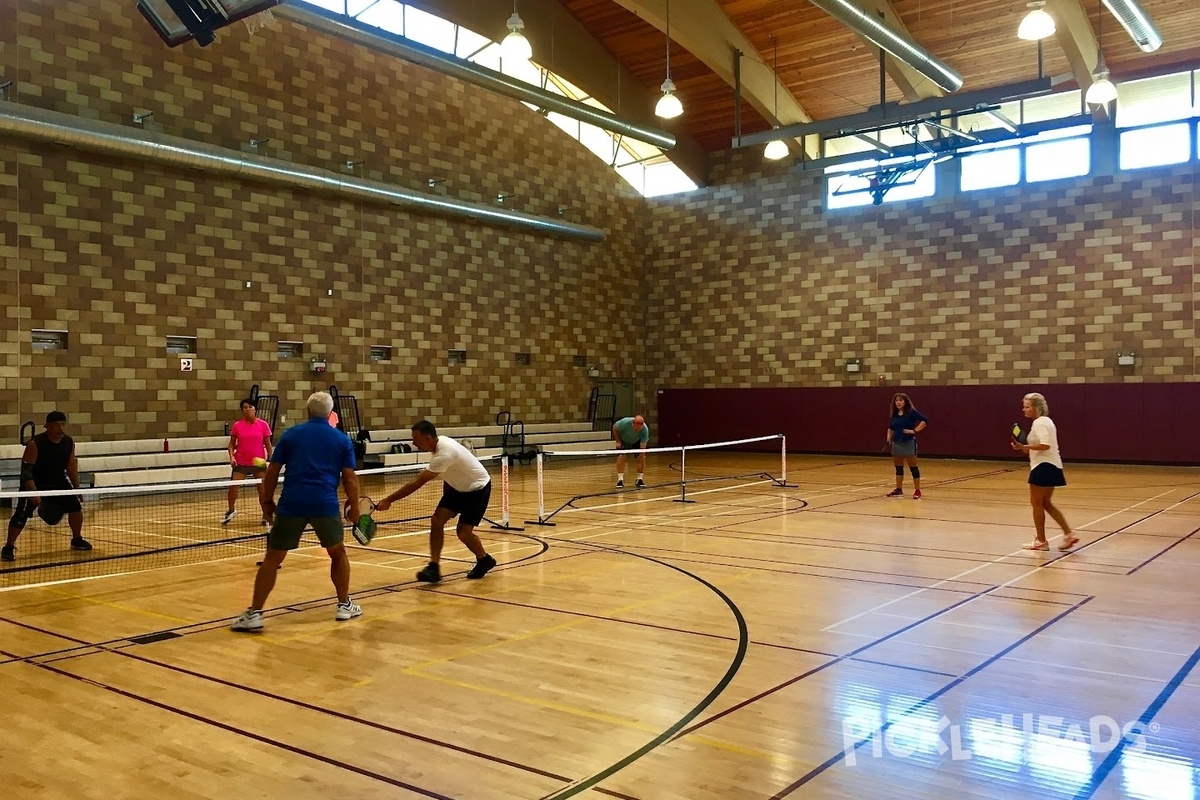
x=431 y=574
x=481 y=567
x=8 y=553
x=80 y=544
x=641 y=484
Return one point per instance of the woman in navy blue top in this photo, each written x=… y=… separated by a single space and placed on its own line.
x=905 y=423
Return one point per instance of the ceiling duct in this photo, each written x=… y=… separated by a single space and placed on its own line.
x=379 y=40
x=1137 y=22
x=874 y=31
x=41 y=125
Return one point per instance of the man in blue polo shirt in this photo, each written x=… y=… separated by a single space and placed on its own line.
x=317 y=456
x=631 y=433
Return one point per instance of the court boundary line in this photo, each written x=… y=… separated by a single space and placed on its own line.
x=833 y=760
x=1020 y=552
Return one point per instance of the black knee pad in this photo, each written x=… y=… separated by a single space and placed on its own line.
x=899 y=471
x=916 y=472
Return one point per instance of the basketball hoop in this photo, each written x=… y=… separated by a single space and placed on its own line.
x=256 y=22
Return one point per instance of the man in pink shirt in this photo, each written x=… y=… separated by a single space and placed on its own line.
x=249 y=452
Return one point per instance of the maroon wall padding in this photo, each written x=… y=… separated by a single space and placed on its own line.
x=1142 y=422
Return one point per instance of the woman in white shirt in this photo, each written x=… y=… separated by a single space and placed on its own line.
x=1045 y=472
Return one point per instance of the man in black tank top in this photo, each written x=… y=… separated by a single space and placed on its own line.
x=48 y=464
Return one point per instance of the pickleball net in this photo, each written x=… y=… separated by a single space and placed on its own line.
x=578 y=479
x=155 y=526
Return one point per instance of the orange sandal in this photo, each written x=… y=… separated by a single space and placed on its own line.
x=1036 y=545
x=1069 y=542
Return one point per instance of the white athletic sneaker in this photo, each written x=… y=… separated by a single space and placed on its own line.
x=229 y=515
x=347 y=610
x=250 y=621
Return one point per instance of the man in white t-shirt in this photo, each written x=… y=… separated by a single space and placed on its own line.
x=466 y=493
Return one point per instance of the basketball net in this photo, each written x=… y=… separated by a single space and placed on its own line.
x=256 y=22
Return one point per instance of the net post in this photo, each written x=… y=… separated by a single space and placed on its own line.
x=782 y=482
x=683 y=476
x=541 y=495
x=504 y=507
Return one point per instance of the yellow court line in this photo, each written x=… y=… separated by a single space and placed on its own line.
x=453 y=600
x=117 y=606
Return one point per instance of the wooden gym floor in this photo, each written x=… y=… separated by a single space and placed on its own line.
x=818 y=641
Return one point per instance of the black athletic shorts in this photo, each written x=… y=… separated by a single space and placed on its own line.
x=469 y=506
x=69 y=503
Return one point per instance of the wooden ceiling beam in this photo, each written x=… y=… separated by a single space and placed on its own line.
x=704 y=30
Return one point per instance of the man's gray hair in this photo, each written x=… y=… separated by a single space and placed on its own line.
x=320 y=404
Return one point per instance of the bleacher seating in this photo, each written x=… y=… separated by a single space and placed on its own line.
x=136 y=461
x=486 y=440
x=139 y=461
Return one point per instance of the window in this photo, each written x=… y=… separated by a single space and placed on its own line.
x=1051 y=106
x=1162 y=99
x=290 y=349
x=1155 y=146
x=181 y=345
x=578 y=361
x=642 y=165
x=524 y=359
x=458 y=356
x=1049 y=161
x=381 y=352
x=48 y=340
x=990 y=169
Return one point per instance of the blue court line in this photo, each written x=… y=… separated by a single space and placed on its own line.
x=1164 y=551
x=839 y=757
x=1106 y=766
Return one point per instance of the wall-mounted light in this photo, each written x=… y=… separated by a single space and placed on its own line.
x=1126 y=359
x=854 y=365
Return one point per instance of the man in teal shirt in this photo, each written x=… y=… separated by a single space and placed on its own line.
x=631 y=433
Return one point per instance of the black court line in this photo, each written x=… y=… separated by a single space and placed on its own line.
x=735 y=664
x=832 y=761
x=838 y=660
x=1114 y=755
x=1017 y=557
x=926 y=586
x=686 y=631
x=88 y=649
x=1164 y=551
x=696 y=558
x=379 y=726
x=247 y=734
x=223 y=622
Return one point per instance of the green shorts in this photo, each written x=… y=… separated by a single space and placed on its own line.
x=285 y=532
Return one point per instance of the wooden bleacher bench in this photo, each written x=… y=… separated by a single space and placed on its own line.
x=135 y=461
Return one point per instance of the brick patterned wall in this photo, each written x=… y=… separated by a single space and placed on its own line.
x=754 y=284
x=124 y=254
